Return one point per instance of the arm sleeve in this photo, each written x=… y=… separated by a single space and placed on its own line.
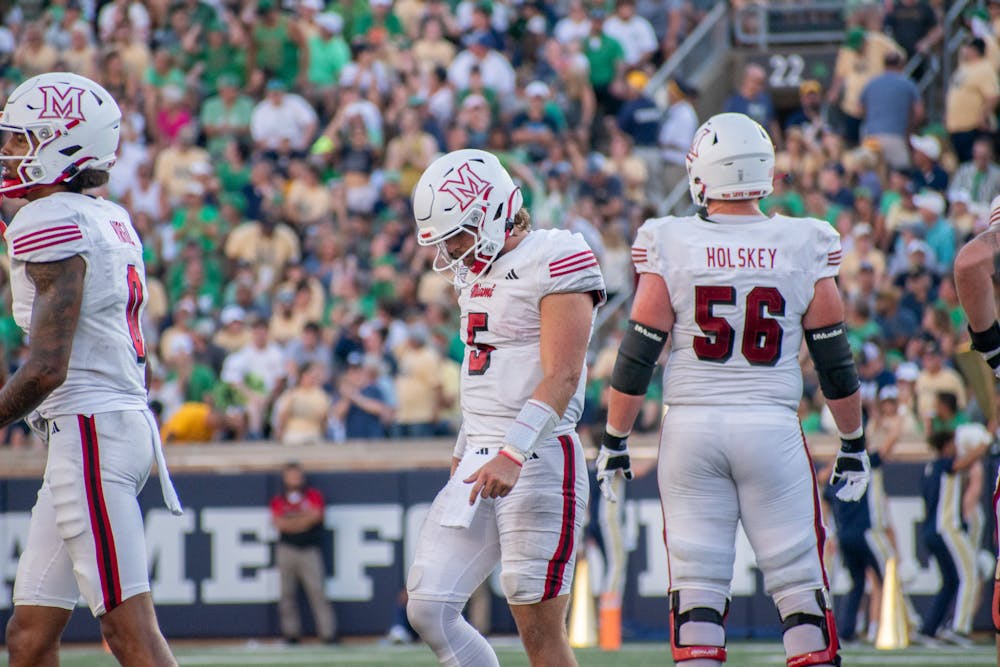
x=46 y=232
x=572 y=267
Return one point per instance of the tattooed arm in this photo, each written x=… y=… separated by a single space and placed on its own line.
x=54 y=315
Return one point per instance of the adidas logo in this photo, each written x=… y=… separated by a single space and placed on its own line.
x=511 y=275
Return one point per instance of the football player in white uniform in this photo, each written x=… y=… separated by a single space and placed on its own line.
x=78 y=283
x=977 y=267
x=518 y=488
x=735 y=292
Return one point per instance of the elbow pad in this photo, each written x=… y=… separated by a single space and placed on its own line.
x=637 y=357
x=831 y=354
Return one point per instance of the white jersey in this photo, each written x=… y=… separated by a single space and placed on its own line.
x=501 y=323
x=739 y=288
x=108 y=359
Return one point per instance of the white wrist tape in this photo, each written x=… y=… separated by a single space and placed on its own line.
x=853 y=435
x=533 y=425
x=460 y=443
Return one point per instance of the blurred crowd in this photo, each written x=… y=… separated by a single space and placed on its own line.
x=269 y=149
x=268 y=153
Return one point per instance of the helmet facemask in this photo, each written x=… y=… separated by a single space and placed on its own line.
x=483 y=250
x=28 y=172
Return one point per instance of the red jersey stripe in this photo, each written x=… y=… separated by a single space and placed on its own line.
x=574 y=269
x=569 y=260
x=47 y=244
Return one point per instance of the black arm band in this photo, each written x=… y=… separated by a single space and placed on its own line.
x=637 y=357
x=831 y=354
x=988 y=344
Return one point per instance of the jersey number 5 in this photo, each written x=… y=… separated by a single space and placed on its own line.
x=479 y=353
x=135 y=297
x=761 y=334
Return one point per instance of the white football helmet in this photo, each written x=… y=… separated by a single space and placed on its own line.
x=731 y=157
x=70 y=123
x=465 y=192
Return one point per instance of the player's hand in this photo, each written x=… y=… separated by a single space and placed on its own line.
x=494 y=479
x=612 y=458
x=854 y=470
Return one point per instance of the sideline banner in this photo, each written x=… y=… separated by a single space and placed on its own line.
x=212 y=569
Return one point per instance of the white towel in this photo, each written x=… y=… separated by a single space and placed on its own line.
x=170 y=498
x=458 y=513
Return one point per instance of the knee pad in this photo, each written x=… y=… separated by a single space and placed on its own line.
x=801 y=615
x=699 y=615
x=430 y=618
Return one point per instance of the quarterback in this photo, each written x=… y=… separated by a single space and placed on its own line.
x=735 y=293
x=977 y=267
x=78 y=283
x=518 y=488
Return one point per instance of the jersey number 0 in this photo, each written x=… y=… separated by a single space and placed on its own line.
x=135 y=297
x=761 y=334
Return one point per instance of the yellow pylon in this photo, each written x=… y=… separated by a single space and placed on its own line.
x=582 y=615
x=893 y=629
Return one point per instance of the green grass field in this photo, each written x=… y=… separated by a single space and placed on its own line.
x=741 y=654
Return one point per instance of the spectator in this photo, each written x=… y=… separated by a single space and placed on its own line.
x=897 y=325
x=33 y=56
x=940 y=235
x=972 y=97
x=633 y=32
x=418 y=387
x=535 y=129
x=411 y=151
x=861 y=58
x=498 y=75
x=297 y=515
x=831 y=182
x=914 y=25
x=433 y=49
x=927 y=171
x=600 y=187
x=59 y=34
x=639 y=117
x=328 y=51
x=360 y=405
x=226 y=116
x=301 y=412
x=277 y=51
x=266 y=245
x=808 y=118
x=606 y=57
x=674 y=139
x=978 y=178
x=753 y=100
x=575 y=26
x=257 y=374
x=892 y=108
x=233 y=334
x=174 y=164
x=283 y=122
x=934 y=379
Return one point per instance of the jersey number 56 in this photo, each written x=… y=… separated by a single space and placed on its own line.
x=761 y=334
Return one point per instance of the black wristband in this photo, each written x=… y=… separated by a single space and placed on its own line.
x=612 y=441
x=987 y=342
x=854 y=445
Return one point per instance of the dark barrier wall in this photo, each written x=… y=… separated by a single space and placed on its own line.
x=212 y=569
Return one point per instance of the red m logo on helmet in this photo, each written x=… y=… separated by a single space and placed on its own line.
x=466 y=187
x=63 y=104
